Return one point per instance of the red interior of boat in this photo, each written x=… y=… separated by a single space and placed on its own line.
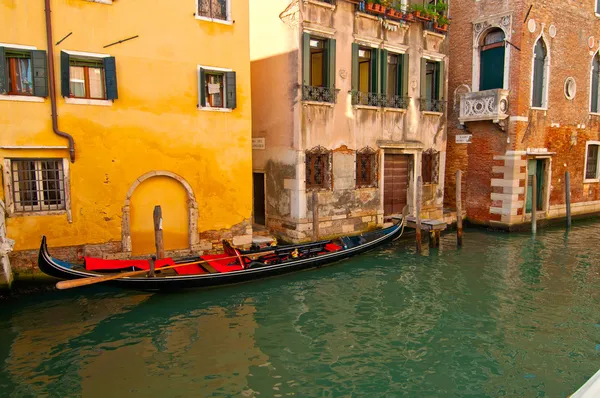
x=100 y=264
x=218 y=262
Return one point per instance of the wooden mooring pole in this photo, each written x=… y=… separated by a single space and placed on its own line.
x=315 y=214
x=534 y=204
x=418 y=212
x=459 y=226
x=568 y=197
x=158 y=233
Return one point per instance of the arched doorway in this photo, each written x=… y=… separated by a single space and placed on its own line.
x=179 y=209
x=491 y=60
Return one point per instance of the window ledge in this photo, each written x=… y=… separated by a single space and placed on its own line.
x=322 y=4
x=85 y=101
x=597 y=15
x=38 y=213
x=432 y=113
x=594 y=114
x=535 y=108
x=209 y=109
x=366 y=107
x=101 y=1
x=21 y=98
x=216 y=20
x=318 y=103
x=399 y=110
x=591 y=180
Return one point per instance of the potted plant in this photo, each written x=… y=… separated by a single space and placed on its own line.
x=420 y=12
x=441 y=24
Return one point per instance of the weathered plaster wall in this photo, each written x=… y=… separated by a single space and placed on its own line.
x=154 y=125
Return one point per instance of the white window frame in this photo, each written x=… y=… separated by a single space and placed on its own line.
x=201 y=88
x=11 y=208
x=22 y=98
x=87 y=101
x=597 y=179
x=592 y=88
x=227 y=21
x=545 y=82
x=101 y=1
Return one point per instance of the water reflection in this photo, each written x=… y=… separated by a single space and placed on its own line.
x=508 y=315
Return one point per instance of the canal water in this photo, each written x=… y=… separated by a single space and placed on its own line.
x=508 y=315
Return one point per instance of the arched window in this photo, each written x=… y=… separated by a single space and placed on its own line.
x=595 y=82
x=491 y=61
x=540 y=83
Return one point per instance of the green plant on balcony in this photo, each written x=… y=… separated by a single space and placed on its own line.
x=441 y=24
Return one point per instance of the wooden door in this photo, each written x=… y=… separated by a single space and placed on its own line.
x=259 y=198
x=395 y=183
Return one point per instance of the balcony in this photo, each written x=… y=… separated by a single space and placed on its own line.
x=433 y=105
x=484 y=105
x=319 y=94
x=379 y=100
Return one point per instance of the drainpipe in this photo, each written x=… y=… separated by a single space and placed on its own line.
x=52 y=84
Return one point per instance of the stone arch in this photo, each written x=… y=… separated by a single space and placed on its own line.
x=546 y=88
x=596 y=55
x=480 y=30
x=191 y=202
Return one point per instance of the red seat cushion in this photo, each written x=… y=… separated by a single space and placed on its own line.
x=221 y=262
x=332 y=247
x=100 y=264
x=192 y=269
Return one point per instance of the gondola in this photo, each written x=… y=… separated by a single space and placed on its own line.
x=233 y=266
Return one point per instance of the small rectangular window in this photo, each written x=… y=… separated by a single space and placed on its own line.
x=19 y=71
x=318 y=168
x=217 y=88
x=38 y=184
x=366 y=168
x=591 y=163
x=86 y=78
x=214 y=9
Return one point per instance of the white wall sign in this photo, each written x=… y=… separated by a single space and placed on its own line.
x=463 y=138
x=258 y=143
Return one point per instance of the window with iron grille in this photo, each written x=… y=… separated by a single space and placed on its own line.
x=366 y=168
x=213 y=9
x=430 y=164
x=318 y=168
x=591 y=162
x=38 y=184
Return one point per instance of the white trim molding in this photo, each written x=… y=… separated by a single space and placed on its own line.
x=21 y=98
x=85 y=54
x=18 y=46
x=590 y=180
x=86 y=101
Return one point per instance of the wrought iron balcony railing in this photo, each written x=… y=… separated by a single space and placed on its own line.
x=433 y=105
x=397 y=101
x=369 y=99
x=484 y=105
x=319 y=94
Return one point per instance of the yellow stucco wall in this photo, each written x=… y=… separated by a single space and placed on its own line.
x=153 y=125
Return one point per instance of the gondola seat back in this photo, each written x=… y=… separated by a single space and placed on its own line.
x=101 y=264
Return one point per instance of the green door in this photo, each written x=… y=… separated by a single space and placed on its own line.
x=535 y=167
x=491 y=69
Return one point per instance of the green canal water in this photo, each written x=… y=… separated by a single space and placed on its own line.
x=508 y=315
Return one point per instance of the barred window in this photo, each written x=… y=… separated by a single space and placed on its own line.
x=366 y=168
x=214 y=9
x=430 y=165
x=38 y=184
x=318 y=168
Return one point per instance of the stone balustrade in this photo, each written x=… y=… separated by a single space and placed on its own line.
x=484 y=105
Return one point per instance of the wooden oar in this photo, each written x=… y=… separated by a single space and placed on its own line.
x=62 y=285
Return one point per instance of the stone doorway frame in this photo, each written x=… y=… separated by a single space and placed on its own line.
x=191 y=202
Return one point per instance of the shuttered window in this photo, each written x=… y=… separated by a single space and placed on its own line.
x=216 y=88
x=23 y=72
x=591 y=162
x=539 y=75
x=88 y=77
x=318 y=168
x=595 y=84
x=318 y=68
x=366 y=168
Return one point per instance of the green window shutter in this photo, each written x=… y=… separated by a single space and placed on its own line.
x=330 y=74
x=595 y=82
x=201 y=87
x=65 y=75
x=306 y=59
x=374 y=82
x=110 y=75
x=355 y=69
x=440 y=81
x=40 y=73
x=423 y=78
x=3 y=73
x=403 y=76
x=384 y=71
x=230 y=90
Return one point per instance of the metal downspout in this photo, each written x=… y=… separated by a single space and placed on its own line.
x=52 y=84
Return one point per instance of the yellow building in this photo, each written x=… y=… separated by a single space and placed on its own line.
x=156 y=98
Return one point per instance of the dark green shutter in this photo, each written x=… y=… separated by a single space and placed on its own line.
x=355 y=69
x=230 y=90
x=3 y=73
x=40 y=73
x=423 y=78
x=403 y=76
x=440 y=81
x=306 y=59
x=384 y=71
x=374 y=78
x=202 y=87
x=330 y=74
x=595 y=82
x=110 y=75
x=65 y=77
x=491 y=69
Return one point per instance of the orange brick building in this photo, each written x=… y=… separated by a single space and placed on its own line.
x=523 y=101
